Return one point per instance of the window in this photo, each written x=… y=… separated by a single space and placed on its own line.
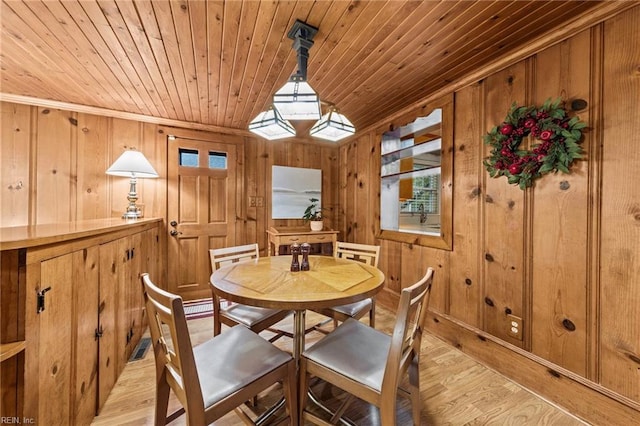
x=217 y=160
x=416 y=178
x=190 y=158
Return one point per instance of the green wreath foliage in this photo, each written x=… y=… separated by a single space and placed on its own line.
x=558 y=135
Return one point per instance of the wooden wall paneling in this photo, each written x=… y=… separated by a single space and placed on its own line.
x=329 y=163
x=560 y=210
x=94 y=139
x=239 y=198
x=364 y=179
x=620 y=237
x=15 y=156
x=594 y=148
x=263 y=187
x=374 y=187
x=278 y=156
x=390 y=264
x=153 y=192
x=84 y=372
x=350 y=206
x=249 y=196
x=54 y=166
x=340 y=222
x=503 y=231
x=465 y=287
x=125 y=134
x=414 y=263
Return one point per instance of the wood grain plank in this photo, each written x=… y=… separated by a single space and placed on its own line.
x=620 y=233
x=93 y=161
x=231 y=23
x=466 y=283
x=503 y=221
x=28 y=44
x=62 y=24
x=560 y=214
x=198 y=18
x=53 y=173
x=106 y=33
x=119 y=31
x=164 y=90
x=15 y=152
x=242 y=55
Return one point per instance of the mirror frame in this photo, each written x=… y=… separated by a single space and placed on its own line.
x=445 y=239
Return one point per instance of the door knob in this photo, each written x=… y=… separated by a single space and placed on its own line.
x=173 y=232
x=173 y=223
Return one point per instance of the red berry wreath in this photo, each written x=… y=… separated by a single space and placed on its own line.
x=559 y=136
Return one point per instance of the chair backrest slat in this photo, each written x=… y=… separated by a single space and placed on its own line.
x=407 y=334
x=360 y=252
x=176 y=363
x=229 y=255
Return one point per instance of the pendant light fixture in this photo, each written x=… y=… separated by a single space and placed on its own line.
x=333 y=126
x=270 y=125
x=297 y=100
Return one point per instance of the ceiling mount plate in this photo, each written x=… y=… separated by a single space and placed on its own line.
x=303 y=30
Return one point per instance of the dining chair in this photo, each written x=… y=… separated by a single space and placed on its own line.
x=369 y=364
x=217 y=376
x=224 y=312
x=362 y=253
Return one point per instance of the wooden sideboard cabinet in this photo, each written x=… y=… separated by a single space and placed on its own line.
x=72 y=314
x=284 y=237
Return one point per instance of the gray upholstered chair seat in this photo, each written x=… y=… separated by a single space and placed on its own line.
x=354 y=350
x=352 y=309
x=248 y=315
x=241 y=357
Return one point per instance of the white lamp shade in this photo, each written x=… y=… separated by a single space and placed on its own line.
x=333 y=126
x=132 y=164
x=296 y=100
x=270 y=125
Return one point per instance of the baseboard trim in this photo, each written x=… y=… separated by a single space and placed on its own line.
x=587 y=400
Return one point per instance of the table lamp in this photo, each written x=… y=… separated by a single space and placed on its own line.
x=134 y=165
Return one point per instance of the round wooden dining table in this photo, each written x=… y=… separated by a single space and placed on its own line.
x=268 y=282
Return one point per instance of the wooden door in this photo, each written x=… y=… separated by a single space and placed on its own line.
x=201 y=211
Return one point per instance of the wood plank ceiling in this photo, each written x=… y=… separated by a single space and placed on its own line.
x=219 y=62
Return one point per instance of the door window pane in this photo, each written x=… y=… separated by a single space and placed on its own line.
x=217 y=160
x=188 y=157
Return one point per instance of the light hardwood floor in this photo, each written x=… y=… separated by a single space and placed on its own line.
x=456 y=390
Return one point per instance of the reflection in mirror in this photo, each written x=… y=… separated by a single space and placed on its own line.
x=411 y=175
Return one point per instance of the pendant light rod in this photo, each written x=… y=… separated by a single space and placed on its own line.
x=302 y=35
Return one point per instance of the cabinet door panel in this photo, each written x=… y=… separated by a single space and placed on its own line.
x=134 y=289
x=123 y=322
x=108 y=369
x=86 y=276
x=55 y=339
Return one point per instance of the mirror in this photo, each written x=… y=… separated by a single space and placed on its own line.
x=291 y=189
x=415 y=193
